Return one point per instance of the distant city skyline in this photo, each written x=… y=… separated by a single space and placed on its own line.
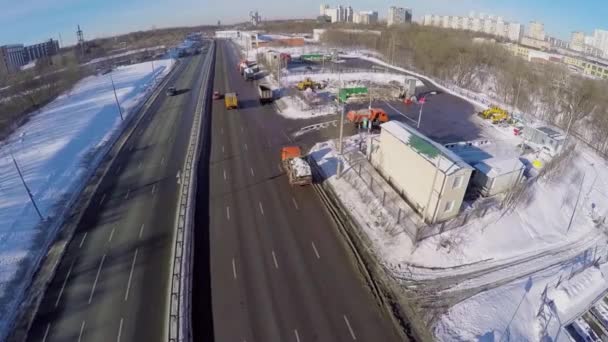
x=33 y=21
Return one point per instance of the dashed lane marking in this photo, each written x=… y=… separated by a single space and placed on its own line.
x=96 y=279
x=64 y=283
x=274 y=257
x=81 y=331
x=350 y=329
x=314 y=248
x=131 y=275
x=82 y=241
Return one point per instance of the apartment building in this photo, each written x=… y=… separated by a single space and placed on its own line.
x=487 y=24
x=12 y=57
x=399 y=16
x=365 y=17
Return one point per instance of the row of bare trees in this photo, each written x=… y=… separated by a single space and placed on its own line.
x=548 y=91
x=29 y=90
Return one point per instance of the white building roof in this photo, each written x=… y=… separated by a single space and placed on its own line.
x=437 y=154
x=495 y=167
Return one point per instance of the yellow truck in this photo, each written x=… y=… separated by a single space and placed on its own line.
x=231 y=101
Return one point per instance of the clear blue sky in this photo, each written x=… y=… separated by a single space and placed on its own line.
x=29 y=21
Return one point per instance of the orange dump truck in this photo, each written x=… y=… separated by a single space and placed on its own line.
x=374 y=116
x=295 y=165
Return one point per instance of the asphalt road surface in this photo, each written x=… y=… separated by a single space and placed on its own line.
x=279 y=271
x=112 y=284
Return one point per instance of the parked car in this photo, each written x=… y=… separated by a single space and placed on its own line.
x=217 y=95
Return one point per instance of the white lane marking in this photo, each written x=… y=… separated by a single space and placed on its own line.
x=139 y=165
x=130 y=275
x=82 y=241
x=315 y=249
x=46 y=332
x=96 y=278
x=234 y=268
x=241 y=129
x=396 y=110
x=222 y=149
x=118 y=169
x=261 y=208
x=64 y=283
x=350 y=329
x=103 y=198
x=295 y=204
x=286 y=136
x=274 y=257
x=162 y=161
x=128 y=193
x=246 y=148
x=228 y=213
x=154 y=189
x=119 y=331
x=224 y=174
x=141 y=230
x=295 y=332
x=252 y=174
x=131 y=148
x=81 y=331
x=111 y=234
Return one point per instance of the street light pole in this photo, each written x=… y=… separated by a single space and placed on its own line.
x=341 y=108
x=420 y=115
x=116 y=98
x=27 y=189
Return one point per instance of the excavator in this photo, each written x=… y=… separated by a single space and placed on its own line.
x=375 y=116
x=308 y=83
x=495 y=114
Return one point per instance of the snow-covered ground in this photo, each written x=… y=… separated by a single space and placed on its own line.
x=55 y=150
x=501 y=253
x=352 y=79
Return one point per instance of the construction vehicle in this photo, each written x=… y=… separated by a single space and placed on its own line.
x=231 y=101
x=265 y=93
x=248 y=74
x=495 y=114
x=296 y=166
x=308 y=83
x=373 y=116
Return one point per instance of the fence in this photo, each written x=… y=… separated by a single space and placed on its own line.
x=181 y=267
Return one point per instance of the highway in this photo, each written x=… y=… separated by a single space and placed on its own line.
x=112 y=284
x=269 y=260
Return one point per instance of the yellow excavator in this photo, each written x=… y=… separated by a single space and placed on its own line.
x=495 y=114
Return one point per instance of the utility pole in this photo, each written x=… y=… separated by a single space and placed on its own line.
x=116 y=98
x=341 y=108
x=27 y=189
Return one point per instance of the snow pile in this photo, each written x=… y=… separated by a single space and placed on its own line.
x=56 y=150
x=300 y=167
x=522 y=310
x=351 y=79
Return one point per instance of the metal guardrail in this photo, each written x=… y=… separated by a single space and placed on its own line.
x=179 y=325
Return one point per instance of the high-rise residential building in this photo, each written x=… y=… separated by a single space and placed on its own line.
x=399 y=15
x=366 y=17
x=577 y=41
x=493 y=25
x=600 y=41
x=41 y=50
x=12 y=56
x=515 y=32
x=349 y=13
x=589 y=40
x=323 y=10
x=536 y=30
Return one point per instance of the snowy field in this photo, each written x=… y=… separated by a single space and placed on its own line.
x=56 y=150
